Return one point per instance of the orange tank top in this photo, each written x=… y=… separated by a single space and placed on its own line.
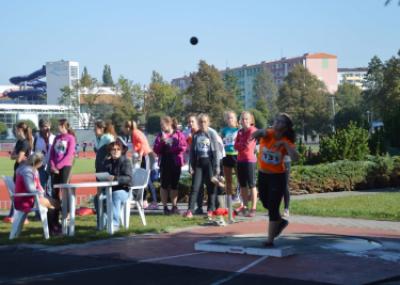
x=270 y=157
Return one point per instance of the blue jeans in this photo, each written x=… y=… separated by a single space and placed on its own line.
x=119 y=197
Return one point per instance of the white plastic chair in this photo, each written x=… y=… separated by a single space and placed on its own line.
x=140 y=180
x=20 y=216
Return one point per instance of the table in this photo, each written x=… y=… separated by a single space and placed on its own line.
x=68 y=198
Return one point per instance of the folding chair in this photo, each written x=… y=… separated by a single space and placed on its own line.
x=20 y=216
x=140 y=181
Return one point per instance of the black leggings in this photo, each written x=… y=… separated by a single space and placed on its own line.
x=202 y=175
x=271 y=188
x=62 y=177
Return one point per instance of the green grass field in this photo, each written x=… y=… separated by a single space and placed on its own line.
x=383 y=206
x=81 y=165
x=85 y=229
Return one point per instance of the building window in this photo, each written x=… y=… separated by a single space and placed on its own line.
x=325 y=63
x=74 y=71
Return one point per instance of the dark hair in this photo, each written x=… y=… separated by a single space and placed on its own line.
x=289 y=132
x=131 y=125
x=124 y=149
x=107 y=127
x=43 y=122
x=65 y=123
x=27 y=132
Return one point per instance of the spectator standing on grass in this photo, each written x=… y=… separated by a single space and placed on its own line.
x=61 y=160
x=42 y=143
x=245 y=144
x=229 y=162
x=275 y=143
x=120 y=169
x=21 y=152
x=205 y=159
x=170 y=146
x=141 y=149
x=105 y=134
x=193 y=128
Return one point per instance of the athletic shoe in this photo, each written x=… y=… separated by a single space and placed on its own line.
x=188 y=214
x=268 y=244
x=145 y=204
x=8 y=220
x=282 y=225
x=286 y=213
x=166 y=211
x=251 y=213
x=153 y=206
x=175 y=211
x=220 y=222
x=240 y=210
x=199 y=211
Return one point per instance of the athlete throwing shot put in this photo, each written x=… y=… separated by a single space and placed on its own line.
x=275 y=143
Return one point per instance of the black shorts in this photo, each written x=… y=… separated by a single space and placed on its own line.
x=271 y=188
x=246 y=173
x=169 y=174
x=229 y=161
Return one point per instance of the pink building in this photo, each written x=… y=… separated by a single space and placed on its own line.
x=322 y=65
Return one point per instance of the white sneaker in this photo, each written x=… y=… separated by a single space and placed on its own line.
x=286 y=213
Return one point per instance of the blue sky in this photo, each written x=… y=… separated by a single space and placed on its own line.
x=136 y=37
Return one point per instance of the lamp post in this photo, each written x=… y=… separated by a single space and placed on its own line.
x=333 y=112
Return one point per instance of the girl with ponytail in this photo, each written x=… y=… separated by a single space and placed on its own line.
x=22 y=150
x=62 y=155
x=275 y=144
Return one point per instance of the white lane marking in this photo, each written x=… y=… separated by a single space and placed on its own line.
x=170 y=257
x=57 y=274
x=240 y=271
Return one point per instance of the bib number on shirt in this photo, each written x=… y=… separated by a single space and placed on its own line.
x=270 y=157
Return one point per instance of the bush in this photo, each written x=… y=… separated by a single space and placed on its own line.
x=259 y=118
x=376 y=172
x=153 y=123
x=350 y=143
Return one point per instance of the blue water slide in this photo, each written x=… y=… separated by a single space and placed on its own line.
x=38 y=89
x=27 y=94
x=40 y=73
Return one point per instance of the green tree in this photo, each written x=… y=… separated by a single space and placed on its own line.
x=233 y=89
x=29 y=123
x=161 y=96
x=107 y=77
x=86 y=80
x=70 y=98
x=207 y=94
x=306 y=99
x=374 y=84
x=3 y=129
x=383 y=95
x=124 y=109
x=350 y=114
x=265 y=89
x=348 y=96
